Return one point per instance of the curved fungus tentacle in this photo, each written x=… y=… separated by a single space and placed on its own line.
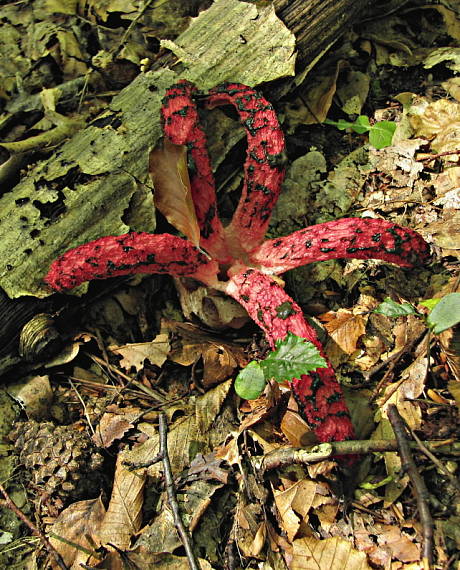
x=264 y=166
x=318 y=394
x=352 y=238
x=128 y=254
x=181 y=124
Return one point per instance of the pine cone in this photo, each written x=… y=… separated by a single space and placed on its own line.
x=62 y=464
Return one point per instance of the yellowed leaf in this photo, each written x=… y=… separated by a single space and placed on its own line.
x=173 y=197
x=124 y=515
x=312 y=554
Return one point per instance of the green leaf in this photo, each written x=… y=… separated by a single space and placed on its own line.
x=446 y=314
x=430 y=303
x=292 y=357
x=361 y=125
x=381 y=134
x=250 y=382
x=390 y=308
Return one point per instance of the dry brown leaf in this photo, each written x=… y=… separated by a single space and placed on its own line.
x=229 y=452
x=211 y=307
x=296 y=429
x=196 y=432
x=248 y=517
x=220 y=359
x=327 y=514
x=450 y=344
x=402 y=548
x=440 y=121
x=142 y=559
x=173 y=197
x=445 y=232
x=345 y=329
x=259 y=540
x=410 y=387
x=114 y=425
x=312 y=554
x=294 y=505
x=208 y=406
x=136 y=353
x=219 y=363
x=314 y=105
x=208 y=467
x=124 y=514
x=406 y=331
x=78 y=524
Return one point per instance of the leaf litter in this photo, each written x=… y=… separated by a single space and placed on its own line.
x=292 y=517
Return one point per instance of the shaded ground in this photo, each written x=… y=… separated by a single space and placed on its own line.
x=129 y=354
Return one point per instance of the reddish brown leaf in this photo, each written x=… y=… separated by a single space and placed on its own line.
x=173 y=195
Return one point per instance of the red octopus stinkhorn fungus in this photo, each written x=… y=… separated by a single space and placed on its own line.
x=238 y=248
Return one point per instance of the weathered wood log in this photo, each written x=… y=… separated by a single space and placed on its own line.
x=97 y=182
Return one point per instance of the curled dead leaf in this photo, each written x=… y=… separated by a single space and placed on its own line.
x=169 y=172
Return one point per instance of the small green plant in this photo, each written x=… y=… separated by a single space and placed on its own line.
x=380 y=133
x=291 y=358
x=444 y=312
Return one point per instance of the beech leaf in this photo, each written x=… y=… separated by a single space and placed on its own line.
x=293 y=357
x=173 y=197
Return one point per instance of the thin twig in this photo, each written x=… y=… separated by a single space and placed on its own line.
x=421 y=492
x=10 y=504
x=163 y=456
x=171 y=492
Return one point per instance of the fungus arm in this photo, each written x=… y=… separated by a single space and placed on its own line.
x=353 y=238
x=264 y=166
x=318 y=394
x=181 y=125
x=128 y=254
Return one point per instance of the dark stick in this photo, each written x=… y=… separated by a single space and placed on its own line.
x=9 y=504
x=172 y=499
x=420 y=490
